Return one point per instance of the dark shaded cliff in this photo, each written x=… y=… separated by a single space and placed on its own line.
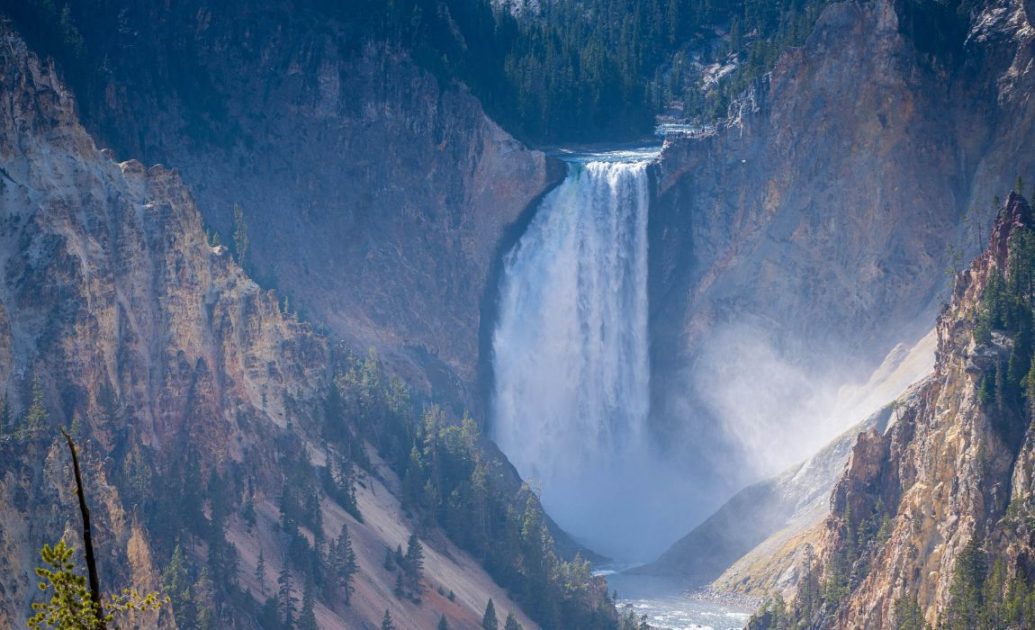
x=817 y=223
x=375 y=193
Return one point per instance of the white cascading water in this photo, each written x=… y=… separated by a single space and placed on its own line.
x=570 y=348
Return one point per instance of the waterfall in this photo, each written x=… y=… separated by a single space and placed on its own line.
x=570 y=349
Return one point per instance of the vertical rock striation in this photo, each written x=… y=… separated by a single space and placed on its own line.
x=188 y=386
x=944 y=474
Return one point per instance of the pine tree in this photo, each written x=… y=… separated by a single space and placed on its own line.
x=966 y=589
x=37 y=414
x=908 y=615
x=260 y=573
x=343 y=564
x=489 y=621
x=74 y=605
x=268 y=616
x=511 y=623
x=248 y=512
x=175 y=579
x=386 y=622
x=443 y=624
x=5 y=415
x=414 y=562
x=1029 y=390
x=307 y=618
x=240 y=235
x=71 y=605
x=204 y=595
x=286 y=598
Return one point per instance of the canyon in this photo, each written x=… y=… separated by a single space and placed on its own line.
x=688 y=338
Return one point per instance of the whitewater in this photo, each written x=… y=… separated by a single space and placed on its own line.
x=570 y=349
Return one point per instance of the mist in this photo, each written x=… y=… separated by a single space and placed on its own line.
x=770 y=413
x=571 y=403
x=778 y=412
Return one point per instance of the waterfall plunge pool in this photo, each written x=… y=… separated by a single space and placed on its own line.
x=572 y=380
x=669 y=607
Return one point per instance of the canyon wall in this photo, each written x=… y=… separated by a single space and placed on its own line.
x=192 y=393
x=954 y=470
x=794 y=246
x=376 y=194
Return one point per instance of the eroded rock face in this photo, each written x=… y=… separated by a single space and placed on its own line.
x=944 y=472
x=170 y=365
x=375 y=194
x=823 y=216
x=137 y=329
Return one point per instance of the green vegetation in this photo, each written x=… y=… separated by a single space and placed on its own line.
x=73 y=606
x=36 y=416
x=861 y=536
x=186 y=501
x=489 y=621
x=988 y=597
x=590 y=70
x=1007 y=389
x=307 y=618
x=629 y=621
x=908 y=615
x=511 y=623
x=241 y=241
x=580 y=70
x=448 y=482
x=5 y=416
x=985 y=593
x=343 y=566
x=410 y=569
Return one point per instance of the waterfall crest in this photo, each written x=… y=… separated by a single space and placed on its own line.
x=570 y=349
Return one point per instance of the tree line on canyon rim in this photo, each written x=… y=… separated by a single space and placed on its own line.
x=575 y=70
x=446 y=483
x=985 y=592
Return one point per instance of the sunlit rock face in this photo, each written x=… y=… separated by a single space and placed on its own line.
x=171 y=367
x=946 y=471
x=141 y=335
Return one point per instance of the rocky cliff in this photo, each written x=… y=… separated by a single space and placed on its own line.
x=375 y=194
x=948 y=471
x=818 y=220
x=754 y=544
x=212 y=454
x=933 y=509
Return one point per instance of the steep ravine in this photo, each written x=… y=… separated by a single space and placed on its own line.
x=375 y=193
x=752 y=544
x=202 y=408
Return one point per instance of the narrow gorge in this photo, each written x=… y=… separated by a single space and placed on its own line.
x=504 y=314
